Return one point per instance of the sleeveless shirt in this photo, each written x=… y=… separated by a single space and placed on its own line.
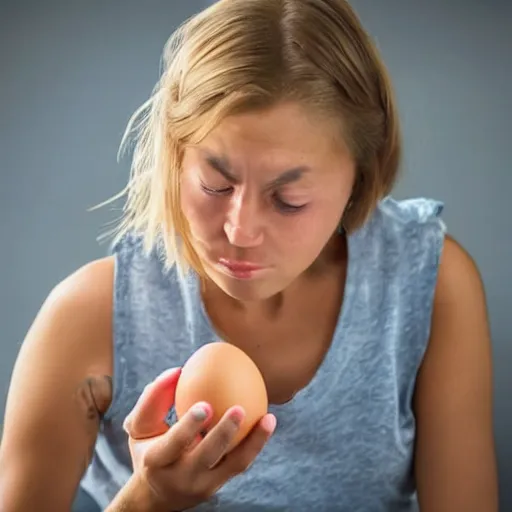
x=346 y=441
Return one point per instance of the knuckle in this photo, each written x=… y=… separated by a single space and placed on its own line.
x=223 y=442
x=183 y=435
x=225 y=435
x=178 y=436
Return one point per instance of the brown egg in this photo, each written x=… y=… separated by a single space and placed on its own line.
x=222 y=375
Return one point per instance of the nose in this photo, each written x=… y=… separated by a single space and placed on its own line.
x=243 y=227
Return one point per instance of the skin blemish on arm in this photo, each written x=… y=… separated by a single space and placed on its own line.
x=92 y=398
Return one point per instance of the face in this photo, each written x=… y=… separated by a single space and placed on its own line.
x=263 y=194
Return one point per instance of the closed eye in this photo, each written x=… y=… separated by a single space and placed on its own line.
x=216 y=191
x=282 y=206
x=285 y=207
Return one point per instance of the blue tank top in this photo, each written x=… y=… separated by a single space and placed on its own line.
x=346 y=441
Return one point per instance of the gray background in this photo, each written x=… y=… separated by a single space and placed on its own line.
x=72 y=72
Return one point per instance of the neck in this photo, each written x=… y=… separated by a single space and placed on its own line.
x=334 y=254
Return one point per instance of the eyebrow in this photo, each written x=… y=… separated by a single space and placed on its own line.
x=221 y=165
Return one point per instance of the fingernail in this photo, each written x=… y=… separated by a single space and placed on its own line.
x=237 y=415
x=199 y=412
x=127 y=424
x=269 y=423
x=165 y=374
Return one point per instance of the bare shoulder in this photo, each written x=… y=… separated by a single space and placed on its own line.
x=60 y=387
x=88 y=291
x=94 y=281
x=80 y=305
x=455 y=455
x=458 y=273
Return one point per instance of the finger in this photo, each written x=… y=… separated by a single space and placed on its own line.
x=216 y=443
x=180 y=436
x=147 y=418
x=238 y=460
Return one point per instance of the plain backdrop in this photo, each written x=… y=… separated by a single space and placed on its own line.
x=71 y=73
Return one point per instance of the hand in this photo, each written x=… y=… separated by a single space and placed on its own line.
x=177 y=467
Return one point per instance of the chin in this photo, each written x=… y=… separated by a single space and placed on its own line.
x=250 y=290
x=243 y=291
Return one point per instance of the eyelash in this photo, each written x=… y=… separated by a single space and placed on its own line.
x=282 y=206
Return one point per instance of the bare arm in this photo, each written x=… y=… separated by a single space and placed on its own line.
x=455 y=457
x=60 y=387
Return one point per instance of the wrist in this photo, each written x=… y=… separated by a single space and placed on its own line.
x=137 y=496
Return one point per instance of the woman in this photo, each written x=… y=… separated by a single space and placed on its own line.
x=258 y=213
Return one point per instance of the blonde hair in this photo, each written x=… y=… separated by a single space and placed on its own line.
x=242 y=55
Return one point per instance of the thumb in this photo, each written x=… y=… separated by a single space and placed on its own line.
x=147 y=418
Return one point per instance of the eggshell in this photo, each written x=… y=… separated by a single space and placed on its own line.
x=222 y=375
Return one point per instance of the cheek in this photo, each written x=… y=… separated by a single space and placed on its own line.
x=306 y=235
x=203 y=213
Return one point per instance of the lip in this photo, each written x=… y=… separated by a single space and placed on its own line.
x=240 y=269
x=240 y=266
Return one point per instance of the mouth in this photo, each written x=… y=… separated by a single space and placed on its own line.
x=239 y=265
x=240 y=269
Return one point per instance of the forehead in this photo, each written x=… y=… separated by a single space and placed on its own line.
x=285 y=134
